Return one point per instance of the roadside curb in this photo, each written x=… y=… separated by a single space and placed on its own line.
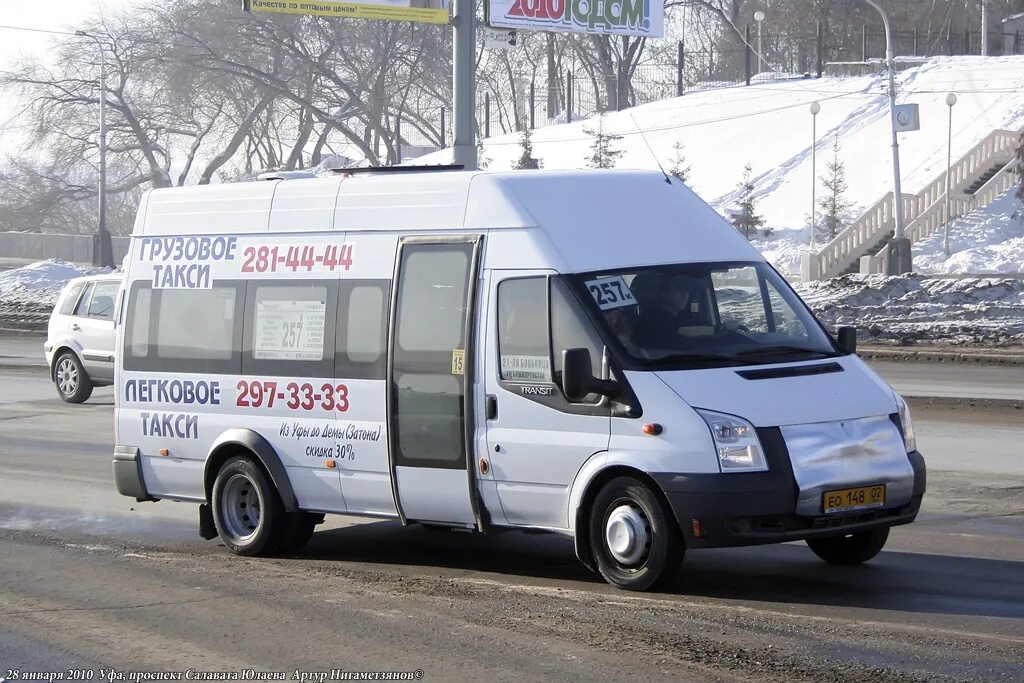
x=909 y=355
x=964 y=402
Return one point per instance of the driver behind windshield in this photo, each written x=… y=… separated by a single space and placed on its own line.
x=666 y=303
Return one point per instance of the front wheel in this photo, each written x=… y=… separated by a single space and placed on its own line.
x=247 y=511
x=635 y=542
x=850 y=549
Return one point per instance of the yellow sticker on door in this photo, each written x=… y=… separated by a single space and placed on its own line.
x=458 y=361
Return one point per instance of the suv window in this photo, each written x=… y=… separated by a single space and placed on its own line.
x=67 y=306
x=104 y=294
x=83 y=303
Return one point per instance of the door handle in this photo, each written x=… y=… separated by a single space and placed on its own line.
x=491 y=407
x=75 y=328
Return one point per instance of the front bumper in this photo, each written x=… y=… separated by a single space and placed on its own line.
x=760 y=507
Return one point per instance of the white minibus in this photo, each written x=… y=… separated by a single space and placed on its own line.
x=589 y=353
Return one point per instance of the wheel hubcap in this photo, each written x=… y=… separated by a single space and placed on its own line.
x=240 y=507
x=628 y=535
x=67 y=377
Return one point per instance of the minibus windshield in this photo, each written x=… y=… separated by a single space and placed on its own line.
x=704 y=315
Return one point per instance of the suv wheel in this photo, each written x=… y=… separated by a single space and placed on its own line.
x=73 y=385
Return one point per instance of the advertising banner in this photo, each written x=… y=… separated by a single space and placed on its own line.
x=419 y=11
x=611 y=17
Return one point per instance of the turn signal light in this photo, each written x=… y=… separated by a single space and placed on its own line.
x=330 y=464
x=651 y=428
x=695 y=526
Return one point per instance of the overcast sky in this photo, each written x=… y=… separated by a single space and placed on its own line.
x=51 y=15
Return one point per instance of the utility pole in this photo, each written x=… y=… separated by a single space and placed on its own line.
x=984 y=28
x=463 y=77
x=102 y=253
x=900 y=259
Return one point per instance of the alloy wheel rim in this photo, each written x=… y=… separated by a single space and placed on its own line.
x=67 y=377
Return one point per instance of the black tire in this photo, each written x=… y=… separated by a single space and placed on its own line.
x=69 y=377
x=240 y=487
x=300 y=528
x=851 y=548
x=658 y=563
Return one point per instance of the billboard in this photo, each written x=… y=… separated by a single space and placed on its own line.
x=420 y=11
x=612 y=17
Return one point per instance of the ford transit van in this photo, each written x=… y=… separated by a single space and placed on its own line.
x=590 y=353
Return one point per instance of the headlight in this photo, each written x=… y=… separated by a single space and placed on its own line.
x=906 y=423
x=736 y=442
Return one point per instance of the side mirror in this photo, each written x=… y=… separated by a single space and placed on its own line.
x=846 y=337
x=578 y=379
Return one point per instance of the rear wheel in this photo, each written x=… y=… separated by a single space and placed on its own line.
x=73 y=385
x=634 y=539
x=851 y=548
x=247 y=509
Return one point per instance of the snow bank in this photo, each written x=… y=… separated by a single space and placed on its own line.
x=27 y=294
x=989 y=240
x=914 y=308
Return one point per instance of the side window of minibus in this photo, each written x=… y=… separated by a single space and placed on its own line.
x=289 y=328
x=185 y=330
x=361 y=350
x=570 y=329
x=524 y=352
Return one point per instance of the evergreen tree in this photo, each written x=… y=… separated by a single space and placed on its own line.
x=746 y=218
x=603 y=154
x=526 y=159
x=482 y=160
x=680 y=168
x=834 y=204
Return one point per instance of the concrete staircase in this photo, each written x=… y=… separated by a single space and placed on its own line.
x=976 y=178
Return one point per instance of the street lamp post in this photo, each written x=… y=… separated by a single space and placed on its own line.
x=759 y=17
x=900 y=260
x=815 y=108
x=950 y=101
x=103 y=254
x=984 y=28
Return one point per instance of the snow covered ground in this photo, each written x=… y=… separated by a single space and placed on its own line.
x=914 y=308
x=989 y=240
x=27 y=294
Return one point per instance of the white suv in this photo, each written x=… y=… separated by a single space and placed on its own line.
x=79 y=344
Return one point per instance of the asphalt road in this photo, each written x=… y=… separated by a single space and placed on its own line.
x=90 y=579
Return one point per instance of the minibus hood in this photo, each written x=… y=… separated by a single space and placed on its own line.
x=783 y=394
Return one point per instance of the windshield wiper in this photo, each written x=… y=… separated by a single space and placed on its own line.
x=697 y=358
x=775 y=350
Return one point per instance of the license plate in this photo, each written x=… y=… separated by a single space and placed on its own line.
x=861 y=498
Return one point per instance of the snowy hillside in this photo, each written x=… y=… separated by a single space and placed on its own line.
x=989 y=240
x=769 y=126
